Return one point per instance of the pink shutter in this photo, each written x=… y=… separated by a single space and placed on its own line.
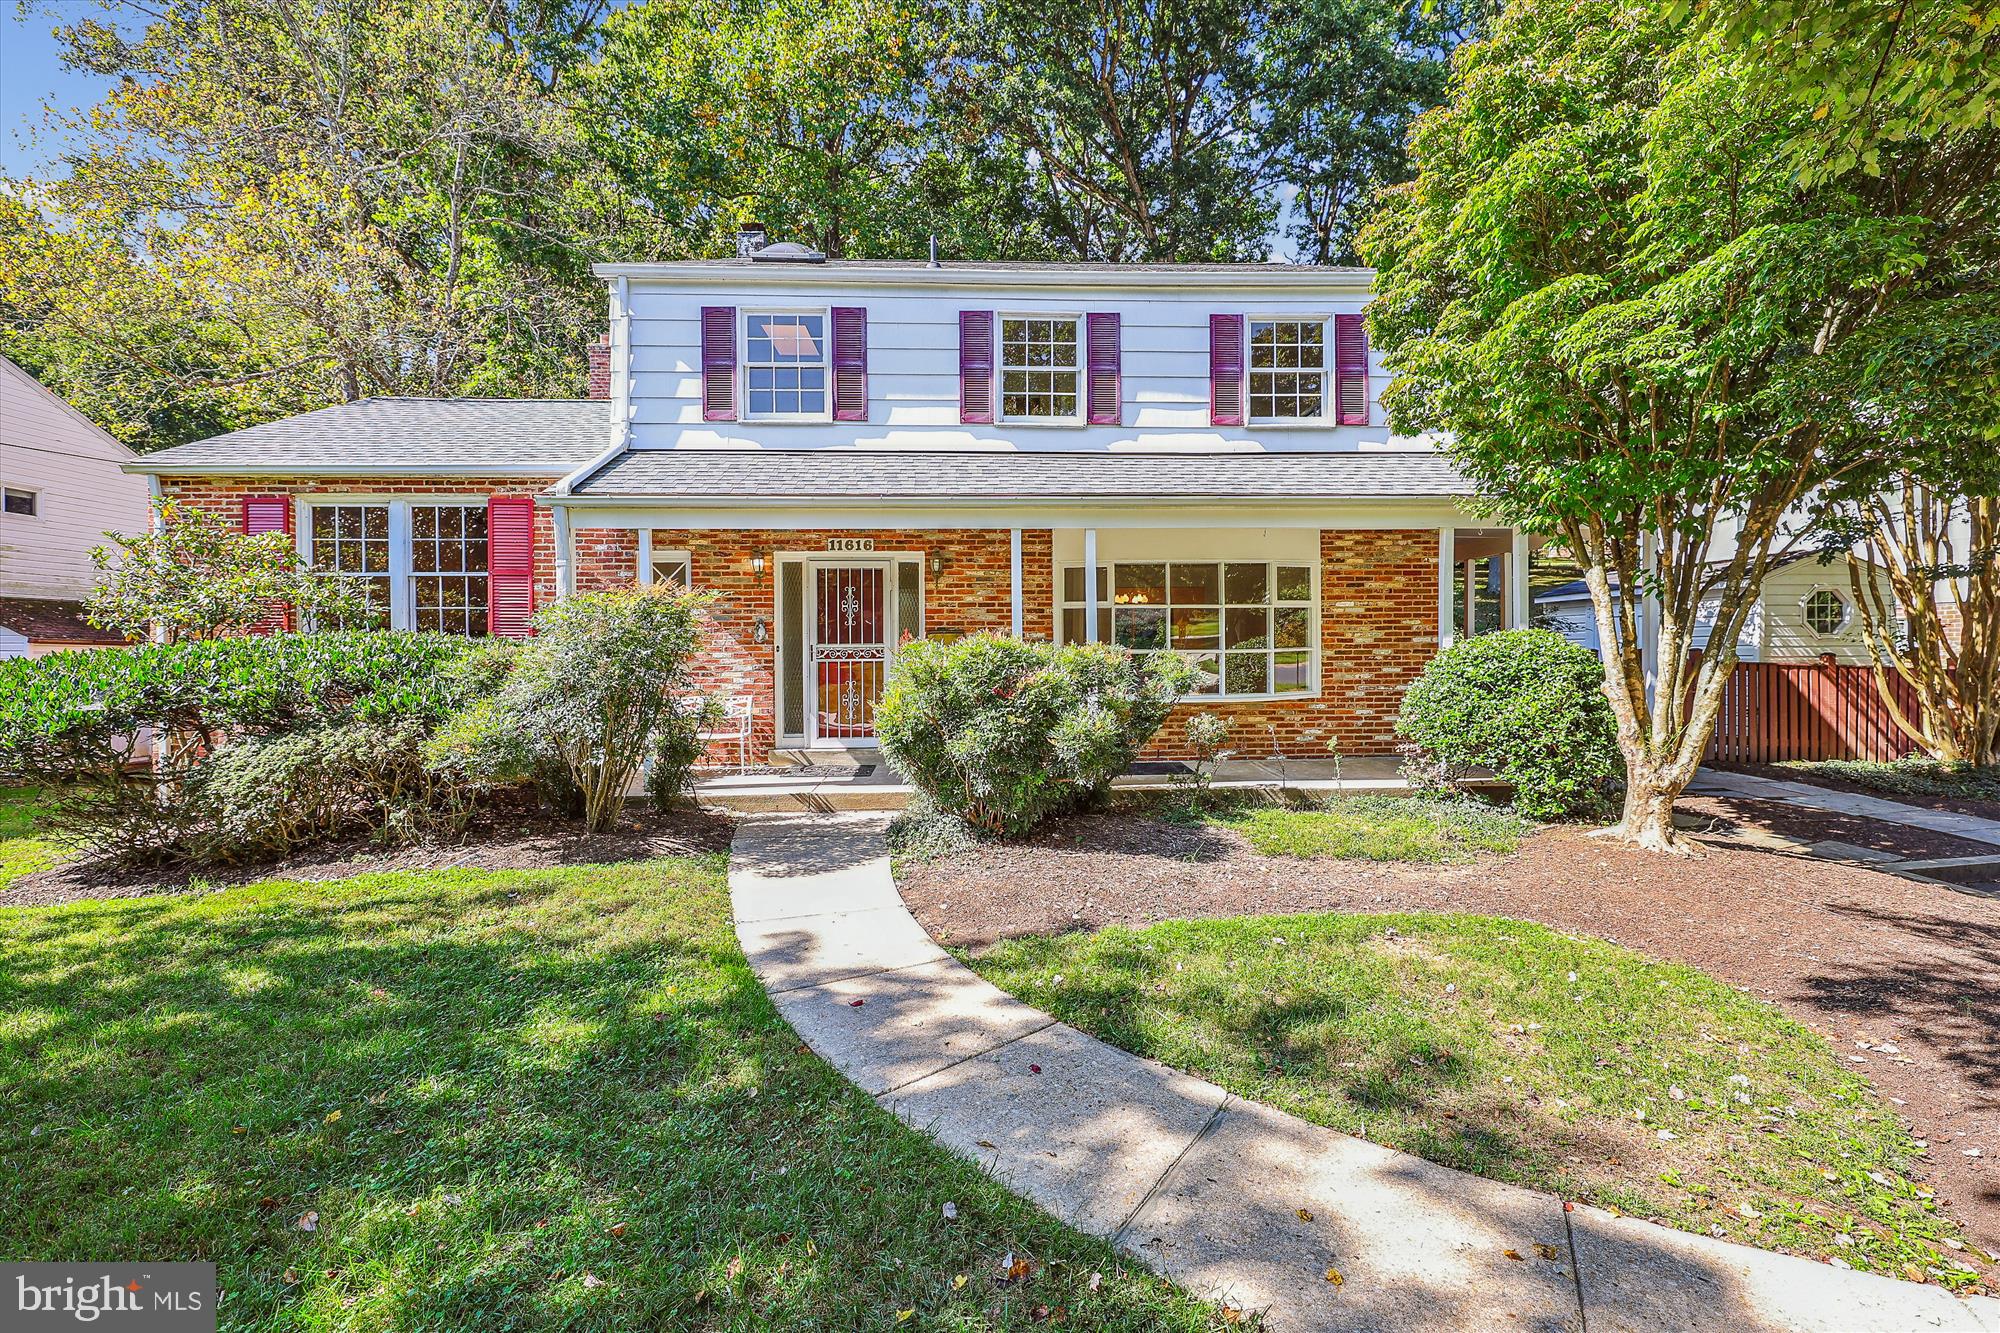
x=1101 y=353
x=510 y=564
x=850 y=363
x=975 y=366
x=1225 y=370
x=269 y=513
x=718 y=363
x=1350 y=370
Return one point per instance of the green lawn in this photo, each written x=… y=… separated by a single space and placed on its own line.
x=459 y=1100
x=1430 y=830
x=21 y=852
x=1905 y=777
x=1510 y=1050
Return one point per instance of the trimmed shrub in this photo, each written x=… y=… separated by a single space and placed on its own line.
x=290 y=704
x=587 y=701
x=1002 y=734
x=1527 y=704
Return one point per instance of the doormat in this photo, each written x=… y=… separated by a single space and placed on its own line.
x=1158 y=768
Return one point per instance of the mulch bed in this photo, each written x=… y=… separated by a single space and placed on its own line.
x=1965 y=805
x=514 y=839
x=1865 y=958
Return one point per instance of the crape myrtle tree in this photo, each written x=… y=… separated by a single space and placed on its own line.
x=1903 y=100
x=1609 y=286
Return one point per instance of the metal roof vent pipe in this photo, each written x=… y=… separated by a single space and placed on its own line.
x=749 y=239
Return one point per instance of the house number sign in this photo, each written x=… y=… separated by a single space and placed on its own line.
x=850 y=543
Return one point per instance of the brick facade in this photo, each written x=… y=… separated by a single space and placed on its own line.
x=224 y=496
x=1378 y=603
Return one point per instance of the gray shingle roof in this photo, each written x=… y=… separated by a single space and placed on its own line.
x=472 y=435
x=762 y=474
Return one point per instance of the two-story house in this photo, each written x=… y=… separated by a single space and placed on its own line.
x=846 y=454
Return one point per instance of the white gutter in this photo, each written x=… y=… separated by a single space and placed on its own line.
x=141 y=467
x=735 y=273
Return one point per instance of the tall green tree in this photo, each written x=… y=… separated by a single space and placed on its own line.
x=1610 y=286
x=286 y=203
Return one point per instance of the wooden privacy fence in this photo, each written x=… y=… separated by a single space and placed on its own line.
x=1808 y=710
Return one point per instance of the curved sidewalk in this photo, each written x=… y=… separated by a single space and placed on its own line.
x=1231 y=1199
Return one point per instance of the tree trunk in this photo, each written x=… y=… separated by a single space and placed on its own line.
x=1648 y=820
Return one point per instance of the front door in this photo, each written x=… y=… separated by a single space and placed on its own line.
x=850 y=619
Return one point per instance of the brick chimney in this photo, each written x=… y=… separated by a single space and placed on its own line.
x=599 y=353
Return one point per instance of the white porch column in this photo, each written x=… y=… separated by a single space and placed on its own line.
x=1090 y=585
x=1447 y=566
x=565 y=551
x=402 y=615
x=1519 y=609
x=645 y=571
x=1014 y=551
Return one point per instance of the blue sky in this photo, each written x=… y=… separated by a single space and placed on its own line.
x=31 y=71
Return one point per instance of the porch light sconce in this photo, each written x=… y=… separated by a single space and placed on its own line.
x=757 y=567
x=760 y=632
x=937 y=564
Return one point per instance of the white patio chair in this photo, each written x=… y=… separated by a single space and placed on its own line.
x=739 y=713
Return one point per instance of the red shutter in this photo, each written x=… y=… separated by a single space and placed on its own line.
x=1101 y=355
x=1350 y=369
x=718 y=363
x=975 y=366
x=269 y=513
x=510 y=565
x=850 y=363
x=1225 y=370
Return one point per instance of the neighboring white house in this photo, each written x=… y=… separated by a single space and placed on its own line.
x=62 y=487
x=1806 y=614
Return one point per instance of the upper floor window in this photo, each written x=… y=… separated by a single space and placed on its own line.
x=784 y=365
x=1287 y=370
x=19 y=502
x=1040 y=369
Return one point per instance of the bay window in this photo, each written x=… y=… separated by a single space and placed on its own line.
x=1250 y=628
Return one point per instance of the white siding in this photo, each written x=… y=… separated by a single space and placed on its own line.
x=48 y=447
x=1787 y=637
x=913 y=364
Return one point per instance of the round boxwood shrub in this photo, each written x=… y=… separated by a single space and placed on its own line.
x=1002 y=734
x=1527 y=704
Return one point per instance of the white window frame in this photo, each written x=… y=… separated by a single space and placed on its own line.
x=1846 y=613
x=34 y=501
x=744 y=365
x=1326 y=385
x=402 y=572
x=1000 y=368
x=1314 y=626
x=651 y=556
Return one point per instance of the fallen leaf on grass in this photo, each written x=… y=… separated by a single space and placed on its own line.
x=950 y=1211
x=1231 y=1315
x=904 y=1316
x=958 y=1283
x=1013 y=1269
x=1096 y=1281
x=616 y=1229
x=736 y=1268
x=291 y=1276
x=309 y=1222
x=332 y=1116
x=1748 y=1210
x=592 y=1281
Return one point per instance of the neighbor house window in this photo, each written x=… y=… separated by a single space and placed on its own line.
x=1287 y=370
x=353 y=539
x=784 y=365
x=423 y=566
x=1248 y=627
x=1826 y=612
x=1040 y=374
x=448 y=568
x=18 y=502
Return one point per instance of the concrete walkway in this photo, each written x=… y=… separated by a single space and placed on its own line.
x=1231 y=1199
x=1714 y=782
